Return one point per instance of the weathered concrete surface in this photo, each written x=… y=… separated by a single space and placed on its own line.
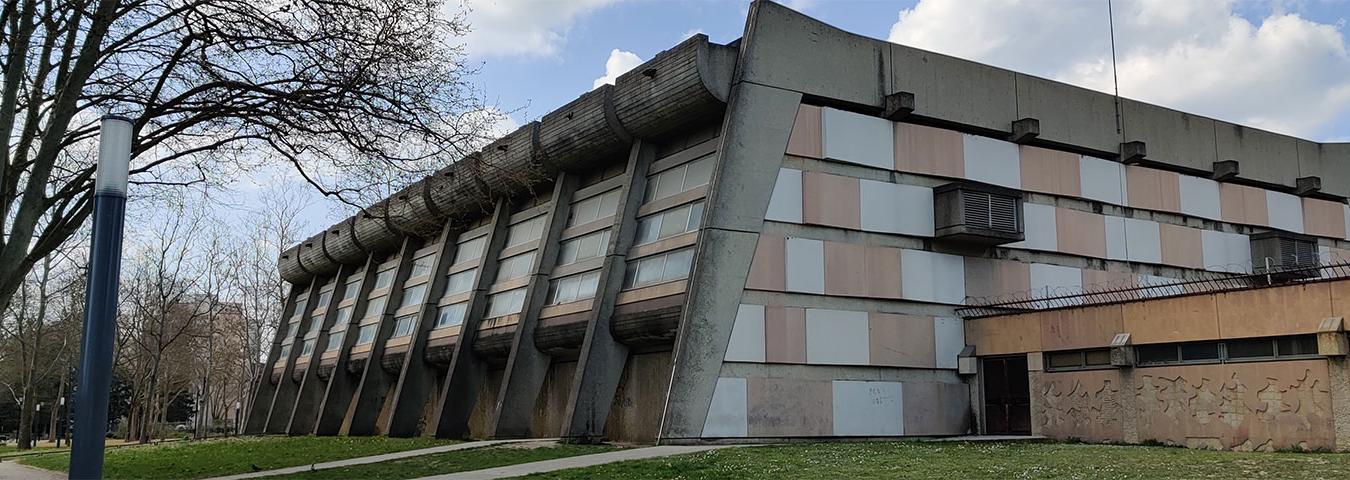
x=341 y=386
x=418 y=378
x=309 y=393
x=369 y=402
x=575 y=462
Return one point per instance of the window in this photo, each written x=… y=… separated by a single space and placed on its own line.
x=344 y=315
x=285 y=353
x=1157 y=354
x=669 y=223
x=334 y=341
x=470 y=249
x=353 y=287
x=324 y=298
x=583 y=248
x=451 y=315
x=421 y=266
x=300 y=305
x=515 y=267
x=375 y=306
x=1298 y=345
x=1199 y=351
x=525 y=232
x=384 y=279
x=307 y=348
x=679 y=179
x=403 y=326
x=367 y=333
x=1078 y=359
x=1269 y=348
x=506 y=303
x=292 y=329
x=659 y=268
x=573 y=287
x=594 y=208
x=457 y=283
x=413 y=295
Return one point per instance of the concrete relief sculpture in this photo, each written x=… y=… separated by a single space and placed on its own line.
x=1081 y=405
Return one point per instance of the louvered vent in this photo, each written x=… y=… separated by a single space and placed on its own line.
x=1297 y=253
x=1284 y=256
x=977 y=214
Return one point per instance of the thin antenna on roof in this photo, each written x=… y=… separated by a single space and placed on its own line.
x=1115 y=79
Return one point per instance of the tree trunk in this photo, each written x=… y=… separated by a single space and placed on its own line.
x=26 y=417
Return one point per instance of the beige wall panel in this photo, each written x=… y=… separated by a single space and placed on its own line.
x=1080 y=233
x=929 y=151
x=1004 y=335
x=767 y=269
x=1050 y=171
x=1172 y=319
x=846 y=269
x=1080 y=327
x=784 y=334
x=830 y=200
x=901 y=340
x=991 y=278
x=805 y=140
x=1098 y=280
x=783 y=407
x=1181 y=246
x=1243 y=204
x=1240 y=406
x=883 y=272
x=1273 y=311
x=1085 y=405
x=1324 y=218
x=1153 y=189
x=1340 y=297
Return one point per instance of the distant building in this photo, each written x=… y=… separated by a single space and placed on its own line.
x=808 y=233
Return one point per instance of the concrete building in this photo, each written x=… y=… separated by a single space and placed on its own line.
x=808 y=233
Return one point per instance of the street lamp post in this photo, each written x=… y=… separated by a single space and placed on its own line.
x=96 y=353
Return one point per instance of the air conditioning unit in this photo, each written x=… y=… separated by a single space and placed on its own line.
x=1284 y=256
x=977 y=214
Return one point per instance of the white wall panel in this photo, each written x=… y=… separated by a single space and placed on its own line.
x=727 y=415
x=1143 y=242
x=992 y=161
x=747 y=335
x=860 y=139
x=1055 y=280
x=1115 y=237
x=837 y=337
x=1286 y=211
x=868 y=408
x=1038 y=225
x=932 y=277
x=1200 y=197
x=786 y=203
x=1345 y=210
x=1102 y=180
x=892 y=208
x=1158 y=286
x=949 y=338
x=805 y=265
x=1226 y=252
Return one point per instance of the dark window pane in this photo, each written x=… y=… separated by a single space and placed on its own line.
x=1097 y=357
x=1064 y=359
x=1199 y=351
x=1251 y=348
x=1157 y=353
x=1300 y=345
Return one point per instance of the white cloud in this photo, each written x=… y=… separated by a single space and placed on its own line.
x=1287 y=73
x=691 y=32
x=523 y=27
x=619 y=62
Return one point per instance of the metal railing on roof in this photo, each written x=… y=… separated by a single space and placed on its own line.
x=1200 y=283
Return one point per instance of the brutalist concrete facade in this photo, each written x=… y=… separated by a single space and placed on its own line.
x=741 y=242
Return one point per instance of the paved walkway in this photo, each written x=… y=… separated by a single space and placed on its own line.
x=372 y=459
x=13 y=471
x=574 y=462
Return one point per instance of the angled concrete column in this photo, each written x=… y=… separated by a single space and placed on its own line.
x=369 y=399
x=750 y=152
x=341 y=386
x=526 y=366
x=310 y=391
x=417 y=378
x=261 y=403
x=279 y=412
x=601 y=361
x=466 y=372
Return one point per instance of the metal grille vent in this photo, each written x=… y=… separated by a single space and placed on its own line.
x=1297 y=253
x=991 y=211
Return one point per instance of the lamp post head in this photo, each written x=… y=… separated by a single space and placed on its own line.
x=114 y=156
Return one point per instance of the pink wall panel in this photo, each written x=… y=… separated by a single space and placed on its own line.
x=830 y=200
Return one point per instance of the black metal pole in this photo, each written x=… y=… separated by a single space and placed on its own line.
x=96 y=353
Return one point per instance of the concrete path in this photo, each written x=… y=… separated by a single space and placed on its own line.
x=13 y=471
x=372 y=459
x=574 y=462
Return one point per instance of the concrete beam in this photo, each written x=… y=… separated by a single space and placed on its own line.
x=752 y=145
x=417 y=378
x=311 y=388
x=261 y=404
x=279 y=412
x=364 y=411
x=341 y=386
x=601 y=361
x=526 y=366
x=465 y=375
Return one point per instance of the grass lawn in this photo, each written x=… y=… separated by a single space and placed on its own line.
x=210 y=458
x=458 y=461
x=961 y=461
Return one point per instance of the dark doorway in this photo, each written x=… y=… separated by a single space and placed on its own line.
x=1007 y=396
